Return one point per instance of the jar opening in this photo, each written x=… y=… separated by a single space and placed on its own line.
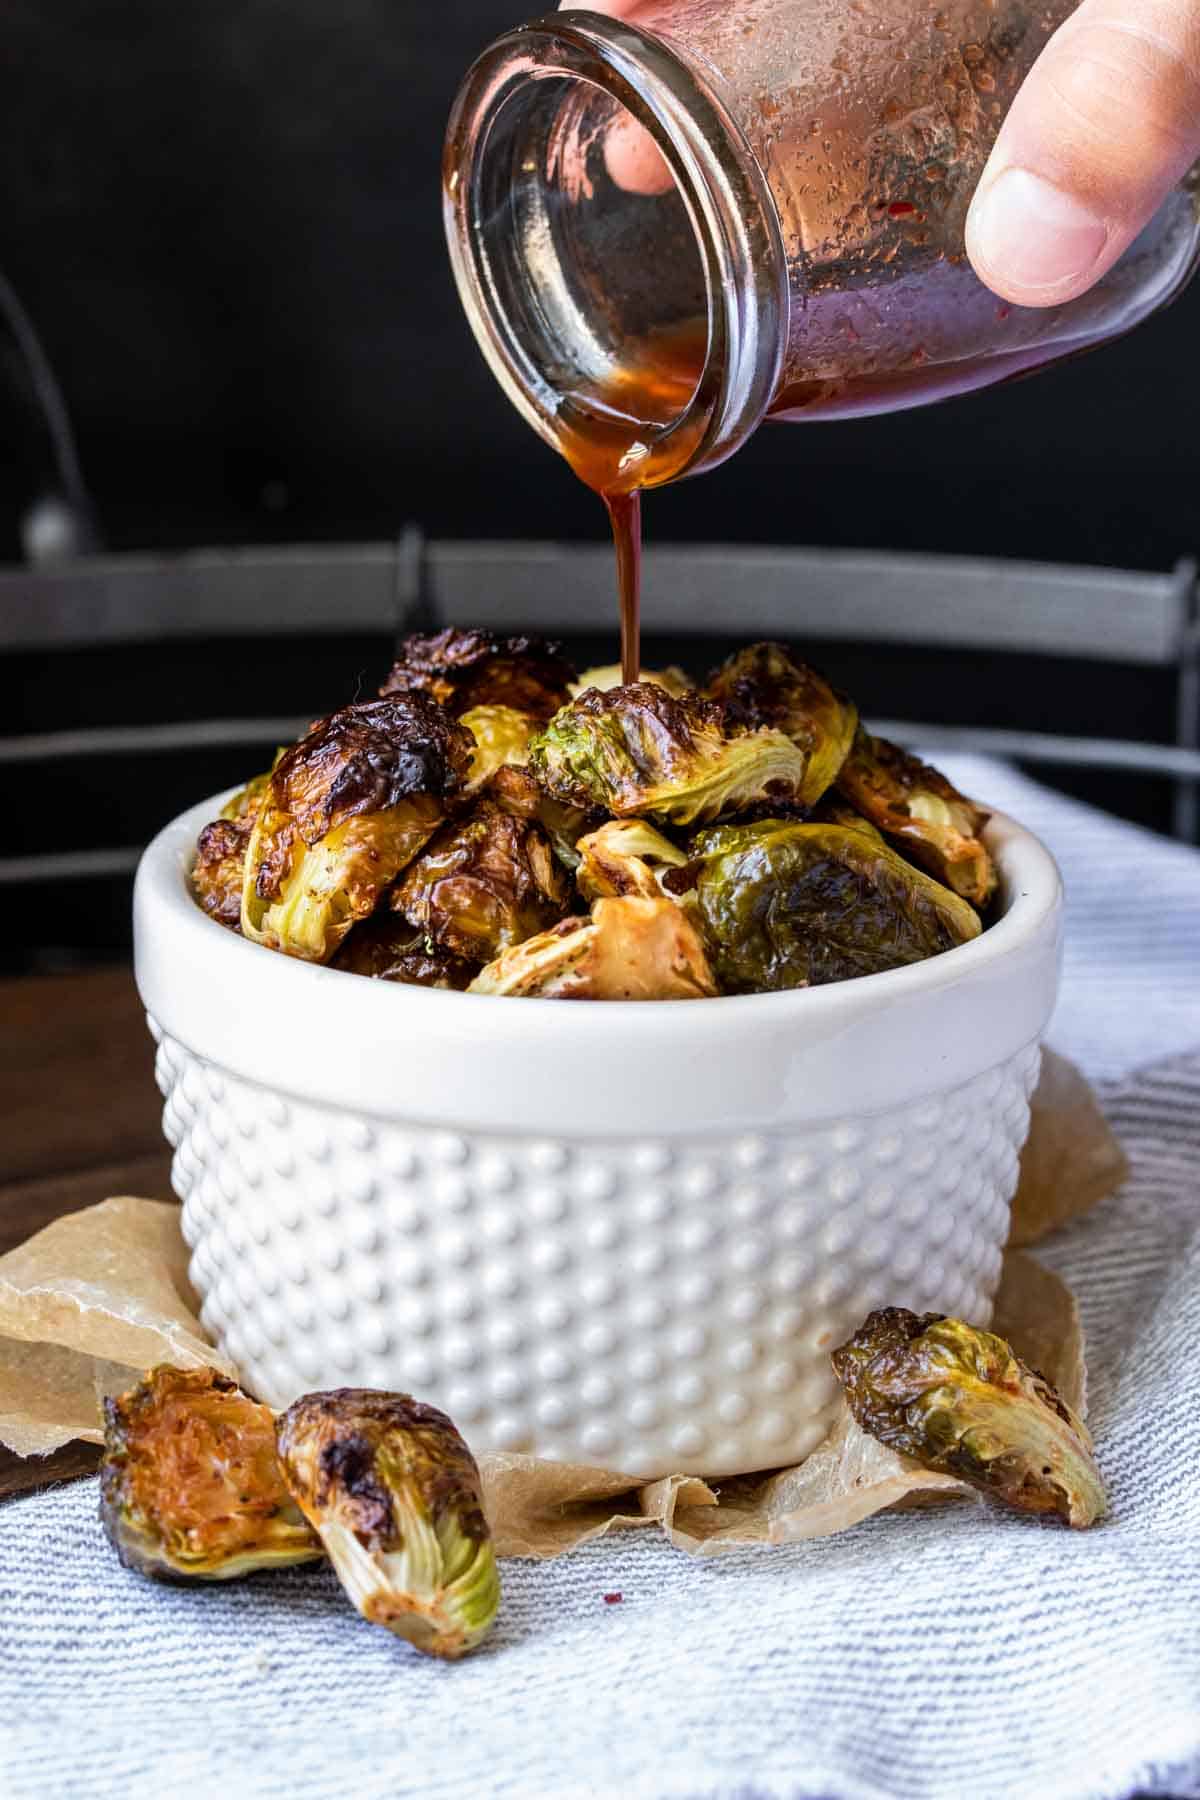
x=635 y=322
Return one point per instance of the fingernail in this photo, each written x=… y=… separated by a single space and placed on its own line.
x=1033 y=235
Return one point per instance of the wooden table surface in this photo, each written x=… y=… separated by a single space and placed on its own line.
x=79 y=1121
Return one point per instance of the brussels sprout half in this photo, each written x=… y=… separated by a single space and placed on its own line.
x=631 y=948
x=626 y=856
x=483 y=884
x=959 y=1400
x=468 y=669
x=501 y=740
x=924 y=814
x=387 y=948
x=190 y=1486
x=349 y=806
x=765 y=685
x=515 y=791
x=639 y=751
x=789 y=905
x=395 y=1496
x=219 y=868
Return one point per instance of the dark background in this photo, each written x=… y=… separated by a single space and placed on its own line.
x=224 y=221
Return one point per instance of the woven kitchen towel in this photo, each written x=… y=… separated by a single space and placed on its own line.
x=961 y=1654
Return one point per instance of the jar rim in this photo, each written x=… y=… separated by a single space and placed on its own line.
x=724 y=190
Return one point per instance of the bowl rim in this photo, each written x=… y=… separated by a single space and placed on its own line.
x=239 y=1005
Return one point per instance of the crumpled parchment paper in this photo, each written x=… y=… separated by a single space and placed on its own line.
x=100 y=1295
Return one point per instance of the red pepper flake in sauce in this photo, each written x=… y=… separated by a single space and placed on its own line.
x=613 y=1599
x=901 y=209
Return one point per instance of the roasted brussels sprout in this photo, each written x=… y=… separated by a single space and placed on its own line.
x=639 y=751
x=190 y=1487
x=388 y=948
x=515 y=791
x=482 y=884
x=630 y=949
x=959 y=1400
x=348 y=807
x=790 y=905
x=625 y=857
x=764 y=684
x=502 y=738
x=466 y=669
x=221 y=852
x=218 y=869
x=395 y=1495
x=610 y=676
x=928 y=818
x=419 y=836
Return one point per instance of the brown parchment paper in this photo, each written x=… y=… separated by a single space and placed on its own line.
x=95 y=1297
x=100 y=1295
x=1071 y=1159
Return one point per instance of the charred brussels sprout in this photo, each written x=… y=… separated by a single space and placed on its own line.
x=220 y=863
x=928 y=818
x=639 y=751
x=501 y=740
x=630 y=949
x=764 y=684
x=960 y=1401
x=610 y=676
x=788 y=905
x=348 y=807
x=388 y=948
x=626 y=856
x=395 y=1495
x=483 y=884
x=515 y=791
x=466 y=669
x=219 y=867
x=190 y=1486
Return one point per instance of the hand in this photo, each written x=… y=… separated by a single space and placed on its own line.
x=1106 y=123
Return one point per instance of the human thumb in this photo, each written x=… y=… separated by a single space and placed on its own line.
x=1106 y=122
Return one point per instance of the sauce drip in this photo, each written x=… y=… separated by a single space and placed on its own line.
x=625 y=514
x=636 y=430
x=618 y=438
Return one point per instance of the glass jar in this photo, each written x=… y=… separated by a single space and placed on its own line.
x=804 y=259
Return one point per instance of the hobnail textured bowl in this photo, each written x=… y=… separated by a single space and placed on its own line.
x=625 y=1235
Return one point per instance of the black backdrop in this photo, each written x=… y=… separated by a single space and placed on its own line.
x=224 y=220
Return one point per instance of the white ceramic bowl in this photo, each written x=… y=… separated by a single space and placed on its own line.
x=625 y=1235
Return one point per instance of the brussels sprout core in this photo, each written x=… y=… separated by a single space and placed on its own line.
x=959 y=1400
x=190 y=1487
x=395 y=1495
